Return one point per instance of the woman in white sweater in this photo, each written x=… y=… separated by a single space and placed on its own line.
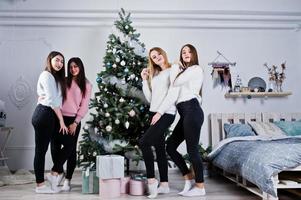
x=156 y=82
x=186 y=88
x=51 y=90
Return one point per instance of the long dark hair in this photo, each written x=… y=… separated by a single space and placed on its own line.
x=59 y=76
x=80 y=79
x=193 y=61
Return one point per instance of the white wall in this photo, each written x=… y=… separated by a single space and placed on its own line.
x=248 y=32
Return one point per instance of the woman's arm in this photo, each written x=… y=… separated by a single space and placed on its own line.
x=146 y=91
x=84 y=104
x=191 y=73
x=63 y=127
x=52 y=97
x=169 y=100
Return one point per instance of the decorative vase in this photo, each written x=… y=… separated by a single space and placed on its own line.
x=272 y=86
x=279 y=85
x=2 y=114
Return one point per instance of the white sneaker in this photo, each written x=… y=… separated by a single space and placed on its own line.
x=44 y=189
x=195 y=191
x=163 y=190
x=58 y=179
x=54 y=181
x=153 y=189
x=188 y=185
x=66 y=187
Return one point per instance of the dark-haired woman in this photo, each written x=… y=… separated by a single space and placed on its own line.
x=51 y=90
x=75 y=107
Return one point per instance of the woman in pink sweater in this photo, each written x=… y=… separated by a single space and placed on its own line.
x=74 y=108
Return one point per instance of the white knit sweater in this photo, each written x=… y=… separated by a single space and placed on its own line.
x=183 y=88
x=159 y=91
x=49 y=90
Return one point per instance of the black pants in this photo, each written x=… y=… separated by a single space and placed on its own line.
x=188 y=128
x=43 y=121
x=63 y=148
x=155 y=136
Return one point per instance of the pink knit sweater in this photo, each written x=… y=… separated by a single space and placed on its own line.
x=75 y=104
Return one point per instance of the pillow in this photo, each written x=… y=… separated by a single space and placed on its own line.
x=267 y=129
x=237 y=130
x=290 y=128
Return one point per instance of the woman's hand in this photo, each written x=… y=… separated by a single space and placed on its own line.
x=155 y=118
x=72 y=128
x=63 y=127
x=144 y=74
x=41 y=98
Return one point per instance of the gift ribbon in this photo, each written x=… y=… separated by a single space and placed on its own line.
x=111 y=157
x=138 y=177
x=91 y=183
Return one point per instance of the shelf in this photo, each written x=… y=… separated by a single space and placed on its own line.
x=256 y=94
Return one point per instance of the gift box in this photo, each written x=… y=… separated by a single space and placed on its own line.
x=109 y=188
x=124 y=185
x=138 y=184
x=109 y=166
x=137 y=187
x=90 y=182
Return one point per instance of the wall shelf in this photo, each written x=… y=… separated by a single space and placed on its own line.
x=256 y=94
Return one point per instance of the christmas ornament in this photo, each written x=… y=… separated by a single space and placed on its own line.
x=98 y=80
x=108 y=128
x=132 y=76
x=127 y=124
x=132 y=113
x=122 y=63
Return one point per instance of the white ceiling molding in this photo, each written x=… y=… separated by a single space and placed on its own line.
x=205 y=19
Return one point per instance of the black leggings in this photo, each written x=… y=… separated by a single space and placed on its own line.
x=155 y=136
x=43 y=121
x=188 y=128
x=63 y=148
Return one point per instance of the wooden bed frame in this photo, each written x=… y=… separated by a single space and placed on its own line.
x=217 y=121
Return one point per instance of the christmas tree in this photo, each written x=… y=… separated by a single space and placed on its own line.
x=120 y=112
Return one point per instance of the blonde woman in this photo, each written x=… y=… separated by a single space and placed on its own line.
x=156 y=82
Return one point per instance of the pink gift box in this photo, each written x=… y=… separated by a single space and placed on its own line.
x=109 y=188
x=137 y=187
x=124 y=185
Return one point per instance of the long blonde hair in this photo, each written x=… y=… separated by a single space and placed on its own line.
x=153 y=68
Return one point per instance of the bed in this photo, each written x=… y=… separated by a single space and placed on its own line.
x=262 y=165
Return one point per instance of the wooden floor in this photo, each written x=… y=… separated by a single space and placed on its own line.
x=217 y=188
